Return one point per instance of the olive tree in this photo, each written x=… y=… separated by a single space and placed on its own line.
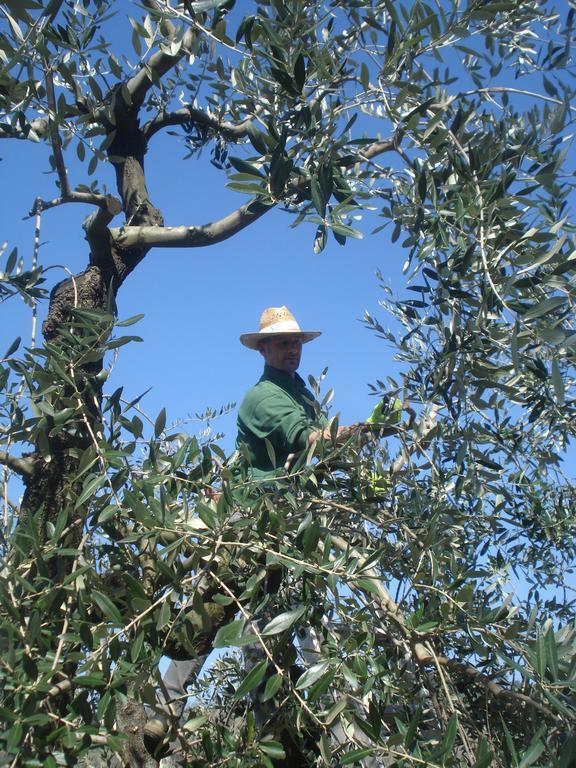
x=387 y=572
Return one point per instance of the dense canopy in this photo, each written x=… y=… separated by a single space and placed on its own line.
x=417 y=589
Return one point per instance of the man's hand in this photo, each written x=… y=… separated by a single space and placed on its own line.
x=343 y=433
x=346 y=432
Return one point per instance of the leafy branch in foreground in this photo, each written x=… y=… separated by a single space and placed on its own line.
x=160 y=568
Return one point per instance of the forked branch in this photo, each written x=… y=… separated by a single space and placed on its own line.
x=217 y=231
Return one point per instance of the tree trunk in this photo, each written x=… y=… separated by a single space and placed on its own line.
x=53 y=486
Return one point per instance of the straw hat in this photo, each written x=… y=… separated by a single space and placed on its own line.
x=274 y=322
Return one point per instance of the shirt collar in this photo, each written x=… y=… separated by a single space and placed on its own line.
x=282 y=378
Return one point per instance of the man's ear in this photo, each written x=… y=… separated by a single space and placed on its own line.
x=261 y=348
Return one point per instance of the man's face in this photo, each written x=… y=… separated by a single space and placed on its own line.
x=282 y=352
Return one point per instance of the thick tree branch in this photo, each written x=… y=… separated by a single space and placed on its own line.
x=230 y=131
x=167 y=27
x=61 y=687
x=104 y=215
x=216 y=232
x=380 y=147
x=23 y=467
x=98 y=236
x=158 y=66
x=191 y=237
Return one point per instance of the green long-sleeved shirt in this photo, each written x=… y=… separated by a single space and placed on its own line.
x=281 y=409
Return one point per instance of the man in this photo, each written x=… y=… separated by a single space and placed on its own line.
x=278 y=419
x=279 y=408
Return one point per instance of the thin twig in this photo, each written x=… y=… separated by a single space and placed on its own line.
x=54 y=133
x=519 y=91
x=267 y=652
x=482 y=242
x=107 y=202
x=35 y=253
x=69 y=602
x=6 y=500
x=46 y=17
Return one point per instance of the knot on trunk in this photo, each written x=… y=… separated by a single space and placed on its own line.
x=87 y=290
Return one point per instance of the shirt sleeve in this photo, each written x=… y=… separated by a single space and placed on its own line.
x=280 y=420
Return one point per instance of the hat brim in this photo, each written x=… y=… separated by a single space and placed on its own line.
x=251 y=340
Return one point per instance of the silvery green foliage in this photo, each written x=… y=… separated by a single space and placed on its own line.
x=416 y=592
